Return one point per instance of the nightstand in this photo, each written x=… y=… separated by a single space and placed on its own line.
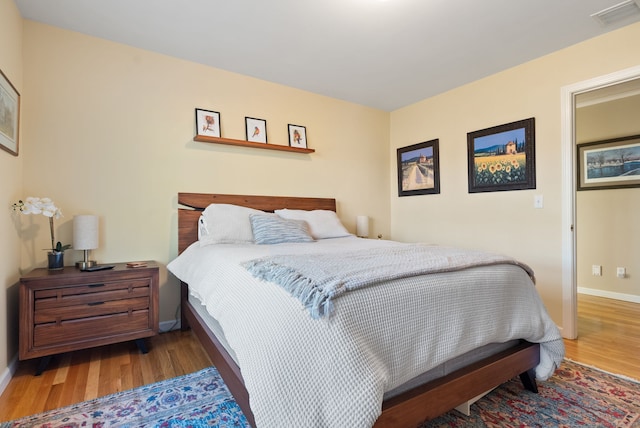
x=66 y=310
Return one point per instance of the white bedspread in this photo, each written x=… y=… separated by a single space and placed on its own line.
x=317 y=279
x=304 y=372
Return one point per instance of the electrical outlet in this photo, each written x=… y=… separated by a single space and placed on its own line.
x=621 y=272
x=596 y=270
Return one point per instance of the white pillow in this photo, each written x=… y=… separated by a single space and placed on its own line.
x=226 y=224
x=273 y=229
x=202 y=228
x=323 y=223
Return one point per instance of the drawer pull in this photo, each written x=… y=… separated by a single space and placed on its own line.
x=95 y=285
x=95 y=303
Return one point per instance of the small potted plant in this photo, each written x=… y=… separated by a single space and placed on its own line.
x=46 y=207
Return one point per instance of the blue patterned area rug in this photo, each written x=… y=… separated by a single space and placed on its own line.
x=199 y=399
x=576 y=396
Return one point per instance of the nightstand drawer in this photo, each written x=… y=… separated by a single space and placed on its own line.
x=90 y=288
x=73 y=296
x=79 y=330
x=94 y=308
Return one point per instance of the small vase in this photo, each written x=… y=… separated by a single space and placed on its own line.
x=56 y=260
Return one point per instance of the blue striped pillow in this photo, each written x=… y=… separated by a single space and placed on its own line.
x=272 y=229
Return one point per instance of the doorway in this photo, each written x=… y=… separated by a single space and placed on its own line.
x=569 y=246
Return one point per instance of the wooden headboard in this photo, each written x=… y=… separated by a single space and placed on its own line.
x=197 y=202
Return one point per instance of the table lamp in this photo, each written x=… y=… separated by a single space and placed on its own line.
x=362 y=226
x=85 y=237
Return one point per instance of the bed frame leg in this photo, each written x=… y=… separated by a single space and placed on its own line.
x=184 y=296
x=528 y=379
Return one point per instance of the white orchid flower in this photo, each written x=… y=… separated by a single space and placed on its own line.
x=31 y=206
x=44 y=206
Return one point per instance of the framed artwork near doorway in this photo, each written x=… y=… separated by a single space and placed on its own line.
x=609 y=164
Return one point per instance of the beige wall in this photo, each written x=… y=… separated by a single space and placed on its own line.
x=503 y=221
x=109 y=131
x=608 y=230
x=11 y=178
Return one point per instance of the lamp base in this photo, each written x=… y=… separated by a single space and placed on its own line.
x=85 y=264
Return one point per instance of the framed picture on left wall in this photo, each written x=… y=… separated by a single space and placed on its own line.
x=9 y=115
x=207 y=123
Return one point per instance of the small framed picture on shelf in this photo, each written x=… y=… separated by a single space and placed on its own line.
x=297 y=136
x=256 y=130
x=208 y=123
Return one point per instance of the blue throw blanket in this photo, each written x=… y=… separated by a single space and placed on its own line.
x=317 y=279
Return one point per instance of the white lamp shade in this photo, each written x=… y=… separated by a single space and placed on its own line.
x=85 y=232
x=362 y=226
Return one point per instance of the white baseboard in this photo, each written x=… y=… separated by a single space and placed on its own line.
x=8 y=373
x=609 y=294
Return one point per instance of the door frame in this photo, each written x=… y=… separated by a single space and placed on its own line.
x=569 y=272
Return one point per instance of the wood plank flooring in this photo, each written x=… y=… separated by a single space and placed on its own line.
x=87 y=374
x=608 y=335
x=609 y=338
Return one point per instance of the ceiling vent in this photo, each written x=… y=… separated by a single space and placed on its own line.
x=618 y=12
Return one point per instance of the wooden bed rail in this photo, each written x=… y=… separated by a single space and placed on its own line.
x=441 y=395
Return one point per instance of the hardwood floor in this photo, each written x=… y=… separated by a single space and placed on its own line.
x=84 y=375
x=609 y=338
x=608 y=335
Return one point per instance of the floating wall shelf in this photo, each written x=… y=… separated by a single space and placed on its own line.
x=243 y=143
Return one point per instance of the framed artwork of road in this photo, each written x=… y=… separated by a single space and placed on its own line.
x=419 y=169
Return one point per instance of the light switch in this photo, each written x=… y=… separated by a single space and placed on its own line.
x=538 y=201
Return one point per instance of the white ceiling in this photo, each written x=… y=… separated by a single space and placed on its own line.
x=384 y=54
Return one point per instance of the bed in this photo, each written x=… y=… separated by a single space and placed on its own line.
x=417 y=399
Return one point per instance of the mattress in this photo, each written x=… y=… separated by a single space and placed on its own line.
x=437 y=372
